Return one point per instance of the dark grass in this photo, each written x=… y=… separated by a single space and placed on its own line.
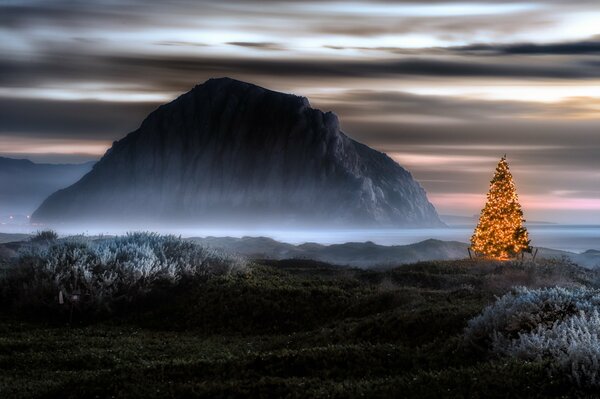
x=295 y=329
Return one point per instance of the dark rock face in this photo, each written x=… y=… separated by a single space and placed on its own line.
x=229 y=152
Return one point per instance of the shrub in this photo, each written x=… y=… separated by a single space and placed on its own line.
x=573 y=345
x=44 y=236
x=557 y=324
x=522 y=310
x=102 y=273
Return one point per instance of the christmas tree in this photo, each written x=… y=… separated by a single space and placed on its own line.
x=500 y=233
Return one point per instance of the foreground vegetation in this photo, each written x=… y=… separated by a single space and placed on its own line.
x=290 y=329
x=99 y=277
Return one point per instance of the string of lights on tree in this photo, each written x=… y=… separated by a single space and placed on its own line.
x=500 y=232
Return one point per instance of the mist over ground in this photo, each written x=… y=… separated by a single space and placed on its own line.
x=572 y=238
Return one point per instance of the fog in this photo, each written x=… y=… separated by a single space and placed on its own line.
x=572 y=238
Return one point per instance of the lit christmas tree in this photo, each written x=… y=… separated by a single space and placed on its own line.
x=500 y=233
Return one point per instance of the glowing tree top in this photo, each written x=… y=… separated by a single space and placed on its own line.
x=500 y=233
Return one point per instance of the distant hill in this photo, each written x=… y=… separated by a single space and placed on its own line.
x=26 y=184
x=369 y=254
x=355 y=254
x=231 y=153
x=358 y=254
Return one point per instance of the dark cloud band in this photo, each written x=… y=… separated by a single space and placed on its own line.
x=176 y=73
x=570 y=48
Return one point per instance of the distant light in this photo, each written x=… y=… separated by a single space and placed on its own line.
x=10 y=217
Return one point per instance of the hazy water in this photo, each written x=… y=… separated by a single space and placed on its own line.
x=574 y=238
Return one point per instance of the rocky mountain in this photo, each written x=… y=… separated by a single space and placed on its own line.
x=230 y=153
x=25 y=184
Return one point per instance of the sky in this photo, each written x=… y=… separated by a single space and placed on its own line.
x=443 y=87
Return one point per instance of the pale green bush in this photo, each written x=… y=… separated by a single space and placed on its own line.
x=106 y=271
x=555 y=324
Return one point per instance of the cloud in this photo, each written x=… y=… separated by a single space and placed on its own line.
x=259 y=45
x=80 y=120
x=579 y=48
x=375 y=105
x=530 y=134
x=457 y=28
x=371 y=106
x=177 y=73
x=22 y=15
x=353 y=63
x=569 y=48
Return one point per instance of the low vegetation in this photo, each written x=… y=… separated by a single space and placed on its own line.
x=559 y=325
x=100 y=275
x=292 y=328
x=44 y=236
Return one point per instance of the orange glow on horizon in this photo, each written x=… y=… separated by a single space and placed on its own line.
x=530 y=202
x=17 y=146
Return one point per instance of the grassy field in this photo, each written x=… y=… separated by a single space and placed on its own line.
x=287 y=329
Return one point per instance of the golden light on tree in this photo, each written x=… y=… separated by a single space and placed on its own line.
x=500 y=233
